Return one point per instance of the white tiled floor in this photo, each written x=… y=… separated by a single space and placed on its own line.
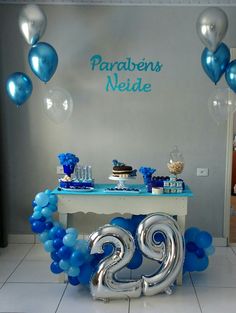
x=27 y=285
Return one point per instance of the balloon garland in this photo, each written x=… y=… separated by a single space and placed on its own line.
x=83 y=261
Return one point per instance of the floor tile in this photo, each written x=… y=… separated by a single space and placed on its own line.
x=33 y=272
x=14 y=251
x=37 y=253
x=79 y=300
x=217 y=300
x=6 y=268
x=182 y=299
x=30 y=298
x=221 y=271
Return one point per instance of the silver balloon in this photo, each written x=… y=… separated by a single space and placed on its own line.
x=222 y=104
x=212 y=26
x=170 y=251
x=104 y=284
x=32 y=23
x=58 y=104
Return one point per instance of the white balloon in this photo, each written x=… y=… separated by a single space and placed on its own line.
x=221 y=104
x=58 y=105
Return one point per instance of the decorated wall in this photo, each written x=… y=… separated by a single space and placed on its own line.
x=135 y=77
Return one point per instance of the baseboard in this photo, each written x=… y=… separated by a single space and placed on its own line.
x=30 y=238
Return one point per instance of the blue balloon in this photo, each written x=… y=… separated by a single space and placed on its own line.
x=57 y=243
x=19 y=87
x=190 y=234
x=38 y=227
x=64 y=265
x=200 y=253
x=41 y=199
x=120 y=221
x=210 y=250
x=86 y=271
x=53 y=232
x=48 y=246
x=230 y=75
x=202 y=264
x=64 y=252
x=53 y=199
x=136 y=260
x=203 y=239
x=44 y=236
x=191 y=246
x=215 y=63
x=34 y=204
x=55 y=268
x=48 y=225
x=137 y=219
x=37 y=215
x=69 y=240
x=46 y=212
x=159 y=237
x=73 y=271
x=74 y=281
x=60 y=233
x=77 y=258
x=190 y=262
x=43 y=61
x=55 y=256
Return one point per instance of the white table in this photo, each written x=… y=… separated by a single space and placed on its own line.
x=100 y=202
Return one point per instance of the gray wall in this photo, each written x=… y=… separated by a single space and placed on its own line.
x=139 y=129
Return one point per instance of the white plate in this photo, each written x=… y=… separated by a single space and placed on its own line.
x=77 y=189
x=121 y=178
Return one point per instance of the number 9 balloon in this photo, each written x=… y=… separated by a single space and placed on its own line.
x=32 y=23
x=19 y=87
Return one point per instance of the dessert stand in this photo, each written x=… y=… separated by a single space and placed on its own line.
x=121 y=184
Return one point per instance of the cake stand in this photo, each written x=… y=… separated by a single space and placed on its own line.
x=121 y=181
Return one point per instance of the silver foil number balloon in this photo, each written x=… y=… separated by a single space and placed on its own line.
x=32 y=23
x=169 y=251
x=212 y=26
x=104 y=283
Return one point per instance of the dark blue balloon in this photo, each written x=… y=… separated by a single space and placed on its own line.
x=121 y=221
x=191 y=246
x=202 y=264
x=57 y=243
x=48 y=225
x=200 y=253
x=215 y=63
x=190 y=234
x=55 y=268
x=43 y=60
x=230 y=75
x=77 y=258
x=38 y=227
x=190 y=262
x=159 y=237
x=86 y=271
x=136 y=260
x=19 y=87
x=74 y=281
x=31 y=220
x=137 y=219
x=60 y=233
x=55 y=256
x=64 y=252
x=34 y=204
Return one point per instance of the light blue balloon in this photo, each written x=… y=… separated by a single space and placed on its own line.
x=46 y=212
x=230 y=75
x=19 y=87
x=64 y=265
x=69 y=240
x=43 y=61
x=73 y=271
x=53 y=199
x=48 y=246
x=215 y=63
x=47 y=191
x=44 y=236
x=72 y=231
x=37 y=208
x=37 y=215
x=209 y=250
x=41 y=199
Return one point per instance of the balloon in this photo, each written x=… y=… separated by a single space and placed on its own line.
x=43 y=236
x=210 y=250
x=104 y=283
x=32 y=23
x=58 y=105
x=64 y=265
x=69 y=240
x=19 y=87
x=48 y=246
x=203 y=239
x=55 y=268
x=41 y=199
x=230 y=75
x=64 y=252
x=211 y=26
x=55 y=256
x=57 y=243
x=73 y=271
x=38 y=227
x=136 y=260
x=85 y=274
x=77 y=258
x=190 y=234
x=170 y=252
x=43 y=60
x=74 y=281
x=191 y=246
x=221 y=104
x=53 y=199
x=46 y=212
x=215 y=63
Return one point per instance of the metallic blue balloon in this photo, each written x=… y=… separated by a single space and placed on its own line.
x=215 y=63
x=230 y=75
x=43 y=61
x=19 y=87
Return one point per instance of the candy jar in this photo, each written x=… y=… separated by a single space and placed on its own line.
x=176 y=162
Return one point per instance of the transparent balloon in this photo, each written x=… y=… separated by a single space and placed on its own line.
x=58 y=105
x=221 y=104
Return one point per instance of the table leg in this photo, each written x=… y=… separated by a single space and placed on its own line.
x=181 y=222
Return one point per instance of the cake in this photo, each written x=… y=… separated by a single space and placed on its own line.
x=122 y=170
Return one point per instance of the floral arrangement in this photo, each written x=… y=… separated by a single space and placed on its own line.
x=68 y=159
x=146 y=171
